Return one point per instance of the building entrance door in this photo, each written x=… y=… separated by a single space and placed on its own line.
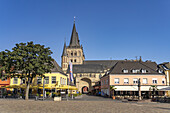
x=85 y=90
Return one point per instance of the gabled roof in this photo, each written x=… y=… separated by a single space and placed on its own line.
x=134 y=65
x=57 y=68
x=87 y=68
x=164 y=66
x=74 y=42
x=107 y=64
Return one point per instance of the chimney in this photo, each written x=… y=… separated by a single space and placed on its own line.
x=140 y=59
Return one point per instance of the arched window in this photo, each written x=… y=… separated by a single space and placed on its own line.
x=79 y=53
x=80 y=75
x=68 y=53
x=72 y=53
x=75 y=53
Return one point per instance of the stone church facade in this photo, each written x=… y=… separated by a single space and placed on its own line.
x=86 y=73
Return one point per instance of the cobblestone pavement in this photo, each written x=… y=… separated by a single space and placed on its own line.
x=88 y=104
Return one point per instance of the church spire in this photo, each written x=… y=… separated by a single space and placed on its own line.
x=74 y=42
x=64 y=49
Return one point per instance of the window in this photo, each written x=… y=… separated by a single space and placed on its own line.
x=144 y=71
x=79 y=53
x=145 y=81
x=39 y=79
x=163 y=81
x=53 y=80
x=116 y=80
x=135 y=71
x=100 y=76
x=71 y=60
x=135 y=81
x=2 y=76
x=46 y=80
x=15 y=80
x=71 y=53
x=106 y=81
x=64 y=81
x=154 y=80
x=125 y=71
x=75 y=53
x=160 y=71
x=61 y=80
x=80 y=75
x=126 y=81
x=74 y=60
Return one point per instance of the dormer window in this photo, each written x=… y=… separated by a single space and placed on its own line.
x=144 y=70
x=160 y=71
x=135 y=71
x=125 y=71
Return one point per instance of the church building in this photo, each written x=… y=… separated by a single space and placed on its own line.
x=88 y=72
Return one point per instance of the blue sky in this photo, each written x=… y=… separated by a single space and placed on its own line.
x=108 y=29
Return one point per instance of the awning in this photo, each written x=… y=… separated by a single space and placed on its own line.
x=143 y=88
x=167 y=88
x=68 y=87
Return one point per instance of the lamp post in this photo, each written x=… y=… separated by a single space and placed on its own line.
x=43 y=88
x=139 y=90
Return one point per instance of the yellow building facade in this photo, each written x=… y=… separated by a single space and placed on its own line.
x=54 y=80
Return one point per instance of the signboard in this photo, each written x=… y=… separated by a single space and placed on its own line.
x=63 y=92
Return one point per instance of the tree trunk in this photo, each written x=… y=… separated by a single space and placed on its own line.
x=27 y=90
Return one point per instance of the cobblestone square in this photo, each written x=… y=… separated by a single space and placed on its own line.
x=88 y=104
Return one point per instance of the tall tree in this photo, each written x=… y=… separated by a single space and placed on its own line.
x=26 y=60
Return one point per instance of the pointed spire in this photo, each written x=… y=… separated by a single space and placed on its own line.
x=64 y=49
x=74 y=42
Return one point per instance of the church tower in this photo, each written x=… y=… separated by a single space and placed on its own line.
x=74 y=52
x=64 y=59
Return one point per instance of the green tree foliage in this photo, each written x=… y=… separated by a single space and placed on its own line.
x=26 y=60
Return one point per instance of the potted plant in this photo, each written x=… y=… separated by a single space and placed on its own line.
x=47 y=93
x=4 y=94
x=37 y=96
